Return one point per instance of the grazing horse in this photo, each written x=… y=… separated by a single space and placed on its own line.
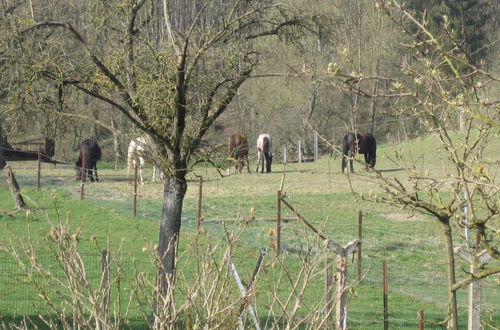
x=264 y=152
x=138 y=150
x=237 y=148
x=90 y=153
x=357 y=143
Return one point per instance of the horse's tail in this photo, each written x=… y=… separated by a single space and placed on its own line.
x=266 y=145
x=266 y=149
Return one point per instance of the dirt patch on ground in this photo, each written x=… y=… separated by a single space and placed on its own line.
x=401 y=217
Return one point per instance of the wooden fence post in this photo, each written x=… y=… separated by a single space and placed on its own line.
x=315 y=141
x=299 y=151
x=341 y=296
x=421 y=320
x=200 y=196
x=135 y=189
x=330 y=302
x=385 y=286
x=83 y=177
x=105 y=287
x=360 y=236
x=82 y=190
x=15 y=189
x=39 y=166
x=278 y=224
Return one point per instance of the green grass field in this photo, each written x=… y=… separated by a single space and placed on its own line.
x=410 y=243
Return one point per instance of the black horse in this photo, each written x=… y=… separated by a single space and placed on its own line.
x=90 y=153
x=357 y=143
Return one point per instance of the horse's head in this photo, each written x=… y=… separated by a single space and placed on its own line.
x=371 y=160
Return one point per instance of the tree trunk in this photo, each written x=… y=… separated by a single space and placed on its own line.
x=374 y=99
x=2 y=160
x=174 y=190
x=452 y=297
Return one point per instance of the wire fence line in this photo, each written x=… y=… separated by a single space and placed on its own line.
x=427 y=285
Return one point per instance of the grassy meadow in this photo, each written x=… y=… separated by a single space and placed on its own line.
x=410 y=242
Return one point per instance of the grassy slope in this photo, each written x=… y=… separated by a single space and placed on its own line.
x=412 y=245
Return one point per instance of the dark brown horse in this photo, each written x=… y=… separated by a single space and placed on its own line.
x=237 y=148
x=362 y=144
x=90 y=153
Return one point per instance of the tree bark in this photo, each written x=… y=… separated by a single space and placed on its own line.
x=452 y=297
x=174 y=190
x=2 y=160
x=14 y=188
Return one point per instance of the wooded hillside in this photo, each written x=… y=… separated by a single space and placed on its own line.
x=336 y=65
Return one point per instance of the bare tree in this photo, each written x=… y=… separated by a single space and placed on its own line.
x=172 y=75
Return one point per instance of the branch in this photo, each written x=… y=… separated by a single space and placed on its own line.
x=102 y=67
x=476 y=277
x=226 y=99
x=122 y=109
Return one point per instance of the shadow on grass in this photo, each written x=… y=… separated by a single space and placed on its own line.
x=36 y=322
x=388 y=170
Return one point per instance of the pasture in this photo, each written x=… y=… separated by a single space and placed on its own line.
x=410 y=243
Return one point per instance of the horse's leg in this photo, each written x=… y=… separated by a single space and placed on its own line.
x=142 y=162
x=241 y=164
x=95 y=173
x=264 y=161
x=351 y=160
x=258 y=161
x=267 y=158
x=154 y=174
x=248 y=163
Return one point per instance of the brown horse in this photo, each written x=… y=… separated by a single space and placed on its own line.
x=237 y=148
x=357 y=143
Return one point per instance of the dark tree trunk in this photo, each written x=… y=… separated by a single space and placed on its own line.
x=174 y=190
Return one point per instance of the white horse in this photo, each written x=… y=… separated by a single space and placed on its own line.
x=264 y=156
x=138 y=149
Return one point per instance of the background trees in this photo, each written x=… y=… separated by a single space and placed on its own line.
x=176 y=70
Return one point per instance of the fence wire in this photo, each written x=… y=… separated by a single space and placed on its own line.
x=410 y=276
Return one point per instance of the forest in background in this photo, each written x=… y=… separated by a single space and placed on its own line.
x=337 y=70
